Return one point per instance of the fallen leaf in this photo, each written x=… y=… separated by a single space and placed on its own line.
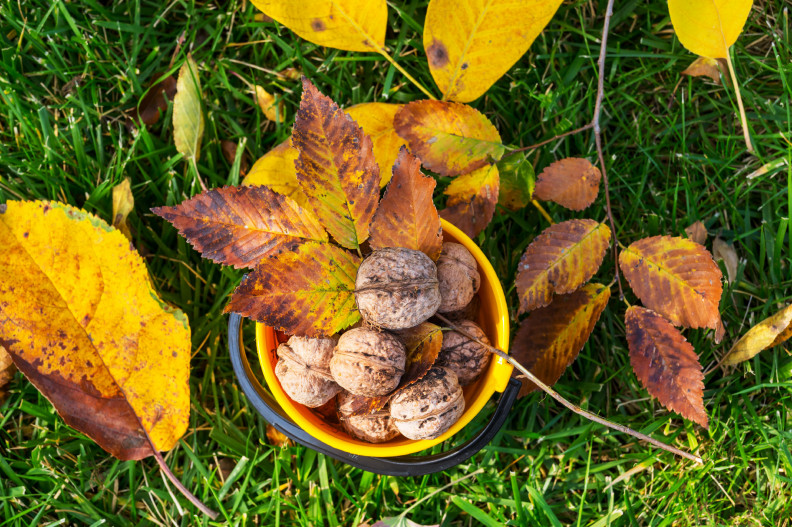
x=406 y=216
x=666 y=363
x=188 y=120
x=7 y=371
x=229 y=149
x=292 y=74
x=336 y=168
x=449 y=138
x=277 y=438
x=471 y=44
x=240 y=226
x=725 y=251
x=572 y=183
x=155 y=101
x=677 y=278
x=308 y=292
x=560 y=260
x=704 y=67
x=517 y=182
x=709 y=27
x=472 y=199
x=273 y=110
x=697 y=232
x=352 y=25
x=551 y=338
x=276 y=170
x=768 y=333
x=376 y=120
x=81 y=321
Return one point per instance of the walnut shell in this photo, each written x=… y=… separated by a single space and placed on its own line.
x=397 y=288
x=428 y=407
x=458 y=277
x=376 y=427
x=469 y=312
x=368 y=362
x=303 y=370
x=465 y=357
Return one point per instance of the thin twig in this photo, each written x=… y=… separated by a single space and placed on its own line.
x=555 y=395
x=178 y=484
x=559 y=136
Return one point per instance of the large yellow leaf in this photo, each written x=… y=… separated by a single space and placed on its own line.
x=709 y=27
x=352 y=25
x=470 y=44
x=188 y=120
x=82 y=322
x=770 y=332
x=275 y=170
x=376 y=119
x=472 y=199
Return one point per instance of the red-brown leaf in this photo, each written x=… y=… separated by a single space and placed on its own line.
x=156 y=100
x=572 y=183
x=472 y=199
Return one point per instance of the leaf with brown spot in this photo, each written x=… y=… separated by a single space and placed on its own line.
x=472 y=199
x=376 y=119
x=768 y=333
x=705 y=67
x=276 y=170
x=572 y=183
x=123 y=204
x=7 y=371
x=725 y=251
x=406 y=216
x=307 y=292
x=666 y=364
x=272 y=109
x=697 y=232
x=551 y=338
x=677 y=278
x=517 y=181
x=155 y=101
x=450 y=138
x=240 y=226
x=336 y=168
x=560 y=260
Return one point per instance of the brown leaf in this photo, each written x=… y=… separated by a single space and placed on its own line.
x=273 y=110
x=472 y=199
x=123 y=204
x=697 y=232
x=406 y=216
x=240 y=226
x=666 y=364
x=725 y=251
x=336 y=168
x=277 y=438
x=551 y=338
x=677 y=278
x=7 y=371
x=229 y=149
x=768 y=333
x=155 y=101
x=572 y=183
x=309 y=291
x=560 y=260
x=450 y=138
x=276 y=170
x=705 y=67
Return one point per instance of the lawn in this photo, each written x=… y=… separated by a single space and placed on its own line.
x=71 y=73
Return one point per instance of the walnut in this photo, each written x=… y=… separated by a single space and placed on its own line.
x=465 y=357
x=303 y=370
x=397 y=288
x=376 y=427
x=458 y=276
x=469 y=312
x=428 y=407
x=368 y=362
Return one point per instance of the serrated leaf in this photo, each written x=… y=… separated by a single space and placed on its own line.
x=450 y=138
x=272 y=109
x=188 y=120
x=240 y=226
x=376 y=120
x=81 y=321
x=676 y=278
x=352 y=25
x=560 y=260
x=336 y=168
x=709 y=27
x=704 y=67
x=307 y=292
x=471 y=44
x=276 y=170
x=572 y=183
x=517 y=181
x=551 y=338
x=406 y=216
x=768 y=333
x=123 y=204
x=666 y=363
x=472 y=199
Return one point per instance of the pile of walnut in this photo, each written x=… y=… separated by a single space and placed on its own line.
x=395 y=289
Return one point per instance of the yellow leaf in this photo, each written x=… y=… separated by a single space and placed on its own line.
x=470 y=44
x=770 y=332
x=188 y=120
x=272 y=110
x=275 y=169
x=472 y=199
x=376 y=119
x=82 y=322
x=352 y=25
x=709 y=27
x=123 y=203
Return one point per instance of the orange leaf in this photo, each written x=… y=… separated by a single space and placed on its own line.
x=677 y=278
x=336 y=167
x=450 y=138
x=705 y=67
x=560 y=260
x=551 y=338
x=307 y=292
x=406 y=216
x=666 y=363
x=376 y=119
x=472 y=199
x=572 y=183
x=240 y=226
x=276 y=170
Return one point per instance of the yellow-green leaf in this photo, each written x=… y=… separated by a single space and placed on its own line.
x=472 y=199
x=709 y=27
x=517 y=181
x=188 y=120
x=470 y=44
x=770 y=332
x=275 y=170
x=376 y=119
x=123 y=204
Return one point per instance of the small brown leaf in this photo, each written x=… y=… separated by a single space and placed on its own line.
x=472 y=199
x=277 y=438
x=155 y=101
x=551 y=338
x=725 y=251
x=572 y=183
x=273 y=110
x=123 y=204
x=229 y=149
x=768 y=333
x=406 y=216
x=7 y=370
x=705 y=67
x=560 y=260
x=697 y=232
x=666 y=364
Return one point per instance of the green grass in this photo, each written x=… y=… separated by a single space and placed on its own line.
x=71 y=71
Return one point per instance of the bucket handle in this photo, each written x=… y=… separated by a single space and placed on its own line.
x=269 y=409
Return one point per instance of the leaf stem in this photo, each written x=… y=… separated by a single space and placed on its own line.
x=743 y=118
x=178 y=484
x=542 y=211
x=555 y=395
x=382 y=51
